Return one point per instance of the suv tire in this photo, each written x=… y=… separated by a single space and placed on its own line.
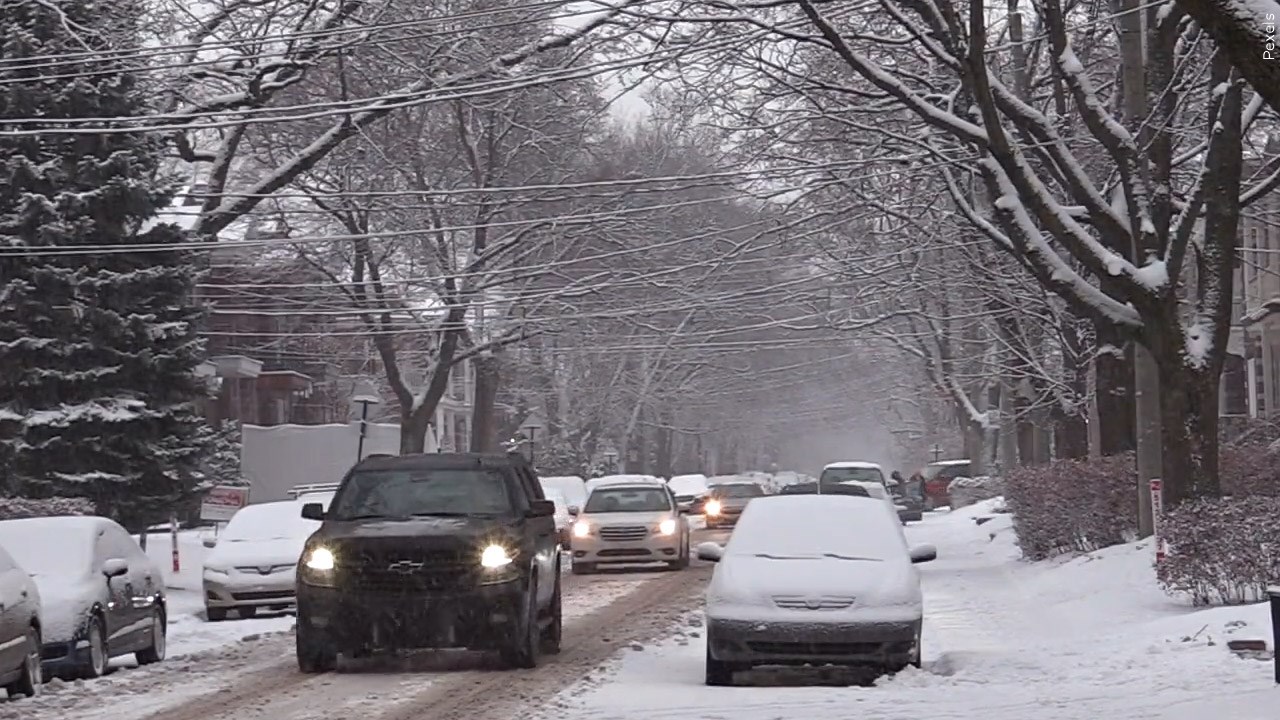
x=521 y=650
x=553 y=632
x=315 y=653
x=29 y=682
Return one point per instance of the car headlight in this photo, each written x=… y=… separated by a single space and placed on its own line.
x=667 y=527
x=494 y=557
x=582 y=529
x=712 y=507
x=320 y=559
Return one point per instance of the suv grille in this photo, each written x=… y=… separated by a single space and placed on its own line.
x=410 y=571
x=624 y=533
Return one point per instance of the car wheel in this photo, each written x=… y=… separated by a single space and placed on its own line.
x=521 y=650
x=215 y=614
x=719 y=674
x=315 y=653
x=155 y=653
x=553 y=632
x=581 y=568
x=95 y=666
x=247 y=611
x=31 y=679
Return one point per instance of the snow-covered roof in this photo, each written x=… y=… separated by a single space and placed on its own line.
x=688 y=484
x=609 y=480
x=57 y=546
x=853 y=464
x=949 y=463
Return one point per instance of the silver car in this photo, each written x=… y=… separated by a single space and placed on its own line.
x=630 y=523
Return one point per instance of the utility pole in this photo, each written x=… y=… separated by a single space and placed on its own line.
x=1146 y=375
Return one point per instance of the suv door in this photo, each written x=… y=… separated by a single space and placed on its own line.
x=13 y=629
x=545 y=537
x=118 y=611
x=140 y=584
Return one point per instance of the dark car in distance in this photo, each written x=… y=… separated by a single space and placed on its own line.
x=725 y=502
x=449 y=550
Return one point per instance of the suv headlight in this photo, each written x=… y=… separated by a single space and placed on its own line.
x=582 y=529
x=713 y=507
x=494 y=557
x=320 y=559
x=667 y=527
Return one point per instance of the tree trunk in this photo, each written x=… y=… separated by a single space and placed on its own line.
x=1189 y=411
x=1247 y=36
x=413 y=432
x=1115 y=398
x=484 y=419
x=1071 y=438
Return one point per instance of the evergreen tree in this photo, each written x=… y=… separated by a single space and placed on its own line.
x=98 y=341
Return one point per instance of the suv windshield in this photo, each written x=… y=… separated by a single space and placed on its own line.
x=403 y=493
x=827 y=489
x=618 y=500
x=742 y=490
x=845 y=474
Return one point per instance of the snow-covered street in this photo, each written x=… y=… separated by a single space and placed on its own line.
x=1004 y=639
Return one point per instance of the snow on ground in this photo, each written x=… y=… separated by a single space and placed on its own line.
x=1091 y=636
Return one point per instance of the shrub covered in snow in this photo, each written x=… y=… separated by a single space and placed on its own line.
x=1073 y=505
x=966 y=491
x=1248 y=470
x=1222 y=550
x=16 y=508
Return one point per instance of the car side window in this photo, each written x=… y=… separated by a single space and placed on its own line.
x=6 y=562
x=532 y=487
x=119 y=544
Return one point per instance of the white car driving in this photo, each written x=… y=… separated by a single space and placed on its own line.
x=813 y=580
x=254 y=560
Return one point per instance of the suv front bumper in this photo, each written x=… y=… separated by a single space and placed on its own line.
x=478 y=618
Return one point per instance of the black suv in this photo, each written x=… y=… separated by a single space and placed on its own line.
x=431 y=551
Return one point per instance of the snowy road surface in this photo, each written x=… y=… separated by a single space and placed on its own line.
x=1004 y=640
x=246 y=669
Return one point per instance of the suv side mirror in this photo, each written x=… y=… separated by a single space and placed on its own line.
x=574 y=510
x=709 y=552
x=924 y=553
x=115 y=567
x=313 y=511
x=209 y=542
x=541 y=508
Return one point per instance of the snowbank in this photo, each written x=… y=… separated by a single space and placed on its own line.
x=1091 y=636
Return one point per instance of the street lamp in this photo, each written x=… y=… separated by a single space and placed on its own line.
x=530 y=428
x=366 y=394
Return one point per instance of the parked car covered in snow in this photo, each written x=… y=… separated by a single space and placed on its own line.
x=688 y=489
x=571 y=487
x=254 y=561
x=813 y=580
x=19 y=629
x=936 y=478
x=854 y=470
x=563 y=517
x=101 y=596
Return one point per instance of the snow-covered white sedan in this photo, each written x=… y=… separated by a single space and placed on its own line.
x=101 y=596
x=813 y=580
x=254 y=562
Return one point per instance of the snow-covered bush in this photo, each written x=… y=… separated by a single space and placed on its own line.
x=1073 y=505
x=1222 y=550
x=1248 y=470
x=965 y=491
x=16 y=508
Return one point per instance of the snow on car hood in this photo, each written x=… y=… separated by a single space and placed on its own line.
x=65 y=603
x=753 y=580
x=255 y=553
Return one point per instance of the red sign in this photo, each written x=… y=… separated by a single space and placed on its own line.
x=220 y=503
x=1157 y=509
x=173 y=538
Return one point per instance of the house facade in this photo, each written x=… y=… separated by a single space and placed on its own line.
x=1251 y=374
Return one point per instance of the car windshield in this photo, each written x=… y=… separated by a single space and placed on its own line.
x=620 y=500
x=741 y=490
x=403 y=493
x=52 y=547
x=827 y=489
x=845 y=474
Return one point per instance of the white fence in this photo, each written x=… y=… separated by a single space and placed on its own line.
x=275 y=459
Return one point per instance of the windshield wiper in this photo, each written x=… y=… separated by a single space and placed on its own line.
x=850 y=557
